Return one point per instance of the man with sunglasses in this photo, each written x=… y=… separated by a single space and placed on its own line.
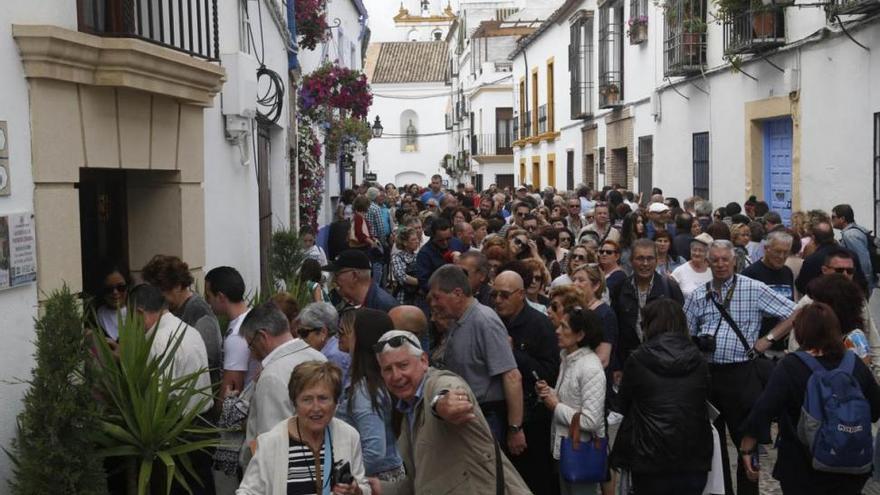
x=517 y=219
x=478 y=350
x=533 y=339
x=823 y=236
x=445 y=441
x=267 y=333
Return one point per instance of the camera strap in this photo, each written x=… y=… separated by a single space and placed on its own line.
x=499 y=471
x=327 y=467
x=722 y=308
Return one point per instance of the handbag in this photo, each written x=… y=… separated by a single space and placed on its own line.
x=582 y=462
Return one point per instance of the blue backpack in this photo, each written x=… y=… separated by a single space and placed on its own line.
x=835 y=422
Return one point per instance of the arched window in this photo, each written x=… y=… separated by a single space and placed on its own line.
x=409 y=125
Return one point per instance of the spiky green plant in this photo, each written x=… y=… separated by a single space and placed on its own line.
x=286 y=256
x=55 y=450
x=148 y=420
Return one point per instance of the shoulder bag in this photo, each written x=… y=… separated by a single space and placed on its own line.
x=582 y=462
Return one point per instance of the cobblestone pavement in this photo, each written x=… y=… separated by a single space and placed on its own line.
x=769 y=486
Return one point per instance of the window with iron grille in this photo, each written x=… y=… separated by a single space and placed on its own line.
x=542 y=119
x=684 y=39
x=877 y=172
x=580 y=66
x=646 y=165
x=602 y=160
x=611 y=54
x=701 y=164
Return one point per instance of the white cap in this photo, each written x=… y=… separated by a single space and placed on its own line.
x=657 y=208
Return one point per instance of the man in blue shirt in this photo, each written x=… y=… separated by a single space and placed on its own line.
x=352 y=273
x=855 y=238
x=734 y=386
x=434 y=190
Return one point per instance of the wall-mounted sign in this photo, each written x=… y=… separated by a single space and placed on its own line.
x=18 y=250
x=371 y=177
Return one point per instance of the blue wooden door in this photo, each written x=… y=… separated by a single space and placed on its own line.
x=777 y=166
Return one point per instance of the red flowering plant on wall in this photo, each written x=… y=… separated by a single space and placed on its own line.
x=311 y=176
x=332 y=87
x=311 y=22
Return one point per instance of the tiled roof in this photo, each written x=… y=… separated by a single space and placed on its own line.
x=411 y=61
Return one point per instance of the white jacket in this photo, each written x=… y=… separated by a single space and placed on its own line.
x=266 y=473
x=580 y=388
x=271 y=400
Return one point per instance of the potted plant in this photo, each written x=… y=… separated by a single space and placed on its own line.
x=693 y=29
x=637 y=29
x=611 y=93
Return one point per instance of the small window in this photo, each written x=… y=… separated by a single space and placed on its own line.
x=701 y=164
x=409 y=129
x=411 y=136
x=646 y=165
x=438 y=35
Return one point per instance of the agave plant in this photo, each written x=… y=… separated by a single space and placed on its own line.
x=150 y=417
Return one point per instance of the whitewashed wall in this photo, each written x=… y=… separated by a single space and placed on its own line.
x=387 y=161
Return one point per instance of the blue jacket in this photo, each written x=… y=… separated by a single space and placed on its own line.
x=378 y=442
x=853 y=237
x=429 y=259
x=379 y=299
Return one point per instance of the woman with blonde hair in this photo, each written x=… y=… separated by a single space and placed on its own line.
x=590 y=279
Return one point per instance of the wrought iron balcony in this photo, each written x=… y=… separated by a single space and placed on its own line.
x=542 y=119
x=684 y=42
x=492 y=145
x=850 y=7
x=188 y=26
x=754 y=30
x=515 y=127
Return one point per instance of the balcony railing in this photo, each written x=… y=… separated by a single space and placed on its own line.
x=609 y=90
x=849 y=7
x=754 y=30
x=515 y=127
x=492 y=144
x=188 y=26
x=542 y=119
x=684 y=42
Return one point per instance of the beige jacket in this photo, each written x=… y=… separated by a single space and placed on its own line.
x=442 y=458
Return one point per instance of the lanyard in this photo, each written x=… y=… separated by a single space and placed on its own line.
x=328 y=462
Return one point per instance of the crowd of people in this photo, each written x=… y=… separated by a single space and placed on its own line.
x=541 y=342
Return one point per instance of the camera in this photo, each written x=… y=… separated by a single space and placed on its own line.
x=341 y=473
x=705 y=342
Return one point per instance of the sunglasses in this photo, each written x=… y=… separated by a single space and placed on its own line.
x=519 y=242
x=503 y=294
x=116 y=288
x=579 y=257
x=848 y=271
x=607 y=251
x=565 y=239
x=304 y=332
x=394 y=342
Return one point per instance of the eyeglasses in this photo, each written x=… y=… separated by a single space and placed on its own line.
x=531 y=228
x=503 y=294
x=607 y=252
x=116 y=288
x=250 y=343
x=304 y=332
x=394 y=342
x=848 y=271
x=520 y=214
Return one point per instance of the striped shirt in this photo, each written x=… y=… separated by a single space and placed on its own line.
x=302 y=469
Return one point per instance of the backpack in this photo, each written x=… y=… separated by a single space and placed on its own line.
x=835 y=422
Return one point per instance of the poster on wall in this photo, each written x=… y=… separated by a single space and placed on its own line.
x=18 y=250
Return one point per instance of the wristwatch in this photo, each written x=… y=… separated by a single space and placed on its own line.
x=436 y=398
x=770 y=337
x=514 y=428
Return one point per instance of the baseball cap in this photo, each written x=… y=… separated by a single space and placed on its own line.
x=704 y=238
x=657 y=208
x=350 y=258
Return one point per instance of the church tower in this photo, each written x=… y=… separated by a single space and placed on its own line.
x=424 y=20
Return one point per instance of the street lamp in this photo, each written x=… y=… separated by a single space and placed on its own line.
x=377 y=128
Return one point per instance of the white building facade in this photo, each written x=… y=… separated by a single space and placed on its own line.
x=120 y=146
x=409 y=83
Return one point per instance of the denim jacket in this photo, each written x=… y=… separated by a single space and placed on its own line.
x=853 y=237
x=378 y=442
